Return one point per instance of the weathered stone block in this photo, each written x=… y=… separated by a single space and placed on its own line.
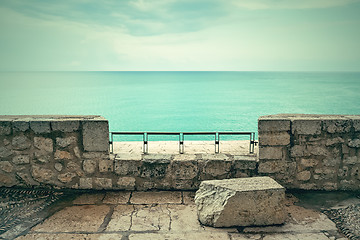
x=66 y=177
x=58 y=167
x=106 y=166
x=273 y=125
x=42 y=175
x=354 y=143
x=184 y=170
x=215 y=169
x=45 y=144
x=65 y=126
x=21 y=142
x=127 y=167
x=42 y=157
x=21 y=159
x=337 y=126
x=89 y=166
x=5 y=152
x=308 y=127
x=270 y=166
x=64 y=142
x=86 y=183
x=356 y=124
x=40 y=126
x=6 y=180
x=6 y=166
x=20 y=126
x=299 y=151
x=155 y=166
x=5 y=128
x=92 y=155
x=309 y=162
x=274 y=139
x=303 y=176
x=244 y=163
x=102 y=183
x=270 y=152
x=126 y=183
x=334 y=141
x=351 y=160
x=62 y=155
x=240 y=202
x=95 y=136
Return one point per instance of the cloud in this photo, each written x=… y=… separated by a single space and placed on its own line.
x=290 y=4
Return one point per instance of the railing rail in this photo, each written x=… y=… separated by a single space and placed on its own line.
x=252 y=142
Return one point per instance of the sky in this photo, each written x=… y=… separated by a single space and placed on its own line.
x=180 y=35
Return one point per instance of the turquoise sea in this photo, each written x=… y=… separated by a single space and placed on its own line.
x=180 y=101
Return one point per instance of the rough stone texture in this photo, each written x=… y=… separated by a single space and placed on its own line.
x=106 y=166
x=274 y=139
x=21 y=142
x=21 y=159
x=5 y=128
x=126 y=183
x=322 y=150
x=40 y=126
x=240 y=202
x=44 y=144
x=102 y=183
x=64 y=142
x=6 y=166
x=273 y=124
x=41 y=174
x=95 y=136
x=65 y=126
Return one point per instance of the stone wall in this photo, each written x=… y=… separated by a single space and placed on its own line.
x=54 y=151
x=319 y=152
x=73 y=152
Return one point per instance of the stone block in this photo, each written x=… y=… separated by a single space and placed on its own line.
x=309 y=162
x=61 y=155
x=21 y=159
x=6 y=166
x=274 y=139
x=64 y=142
x=40 y=126
x=240 y=202
x=354 y=143
x=306 y=127
x=184 y=170
x=102 y=183
x=273 y=125
x=66 y=177
x=127 y=167
x=89 y=166
x=270 y=166
x=6 y=180
x=92 y=155
x=21 y=142
x=303 y=176
x=5 y=152
x=351 y=160
x=244 y=163
x=95 y=136
x=58 y=166
x=65 y=126
x=126 y=183
x=42 y=175
x=86 y=183
x=299 y=151
x=333 y=141
x=215 y=169
x=20 y=126
x=270 y=153
x=356 y=124
x=106 y=166
x=5 y=128
x=337 y=126
x=44 y=144
x=154 y=169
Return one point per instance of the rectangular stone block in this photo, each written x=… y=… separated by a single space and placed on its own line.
x=40 y=126
x=274 y=139
x=127 y=167
x=270 y=153
x=245 y=202
x=273 y=125
x=65 y=125
x=337 y=126
x=95 y=136
x=310 y=127
x=20 y=125
x=271 y=166
x=5 y=127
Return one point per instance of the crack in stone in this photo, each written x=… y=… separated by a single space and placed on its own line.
x=170 y=222
x=107 y=219
x=131 y=217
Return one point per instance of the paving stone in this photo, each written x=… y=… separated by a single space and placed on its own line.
x=297 y=236
x=89 y=198
x=72 y=236
x=150 y=218
x=184 y=218
x=117 y=197
x=86 y=218
x=121 y=219
x=180 y=236
x=240 y=202
x=189 y=197
x=161 y=197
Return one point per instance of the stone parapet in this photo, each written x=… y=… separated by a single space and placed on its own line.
x=319 y=152
x=52 y=151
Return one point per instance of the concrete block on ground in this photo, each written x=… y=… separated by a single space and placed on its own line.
x=96 y=136
x=240 y=202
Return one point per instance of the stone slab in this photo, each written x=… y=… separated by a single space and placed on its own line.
x=86 y=218
x=160 y=197
x=72 y=236
x=180 y=236
x=117 y=197
x=95 y=136
x=240 y=202
x=121 y=219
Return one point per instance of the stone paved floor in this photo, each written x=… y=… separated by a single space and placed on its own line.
x=167 y=215
x=191 y=147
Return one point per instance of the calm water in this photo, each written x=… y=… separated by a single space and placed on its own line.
x=179 y=101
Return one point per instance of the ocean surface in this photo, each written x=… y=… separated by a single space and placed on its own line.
x=179 y=101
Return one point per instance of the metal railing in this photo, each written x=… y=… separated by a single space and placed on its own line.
x=252 y=142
